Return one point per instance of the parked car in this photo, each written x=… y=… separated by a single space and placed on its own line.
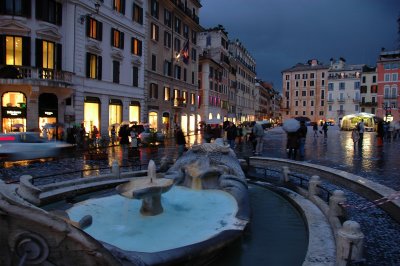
x=150 y=135
x=28 y=145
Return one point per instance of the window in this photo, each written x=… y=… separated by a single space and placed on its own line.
x=311 y=93
x=135 y=76
x=177 y=45
x=297 y=93
x=192 y=99
x=312 y=75
x=177 y=72
x=194 y=37
x=303 y=93
x=49 y=11
x=304 y=83
x=119 y=6
x=115 y=71
x=342 y=86
x=374 y=88
x=194 y=54
x=93 y=66
x=153 y=62
x=312 y=83
x=304 y=103
x=304 y=76
x=13 y=50
x=154 y=32
x=48 y=54
x=387 y=77
x=136 y=46
x=94 y=29
x=374 y=79
x=296 y=103
x=137 y=14
x=297 y=84
x=192 y=77
x=178 y=25
x=153 y=91
x=167 y=68
x=117 y=38
x=185 y=74
x=330 y=86
x=167 y=18
x=312 y=103
x=16 y=8
x=167 y=94
x=167 y=39
x=363 y=79
x=357 y=85
x=394 y=77
x=186 y=31
x=154 y=8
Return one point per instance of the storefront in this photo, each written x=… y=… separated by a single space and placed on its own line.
x=91 y=113
x=48 y=111
x=115 y=112
x=13 y=112
x=134 y=112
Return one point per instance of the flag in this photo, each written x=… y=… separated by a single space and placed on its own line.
x=185 y=53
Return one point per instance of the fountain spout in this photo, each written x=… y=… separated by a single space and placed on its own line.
x=148 y=189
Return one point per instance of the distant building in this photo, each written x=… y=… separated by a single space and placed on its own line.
x=388 y=68
x=244 y=68
x=214 y=69
x=369 y=90
x=344 y=83
x=304 y=91
x=171 y=89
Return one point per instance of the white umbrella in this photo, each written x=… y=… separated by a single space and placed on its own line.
x=291 y=125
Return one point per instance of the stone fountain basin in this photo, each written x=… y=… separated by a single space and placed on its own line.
x=141 y=187
x=117 y=220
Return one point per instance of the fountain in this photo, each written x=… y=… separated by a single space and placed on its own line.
x=148 y=189
x=206 y=209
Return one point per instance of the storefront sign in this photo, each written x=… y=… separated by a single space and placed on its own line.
x=13 y=112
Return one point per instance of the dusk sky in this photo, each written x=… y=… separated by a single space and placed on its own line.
x=281 y=33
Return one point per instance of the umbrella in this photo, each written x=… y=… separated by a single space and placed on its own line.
x=113 y=125
x=291 y=125
x=47 y=126
x=302 y=118
x=125 y=123
x=18 y=125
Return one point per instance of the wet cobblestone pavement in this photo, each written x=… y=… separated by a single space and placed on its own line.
x=379 y=164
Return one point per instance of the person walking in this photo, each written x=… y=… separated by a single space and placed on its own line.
x=361 y=129
x=302 y=134
x=113 y=135
x=315 y=129
x=231 y=133
x=258 y=132
x=355 y=136
x=180 y=140
x=325 y=129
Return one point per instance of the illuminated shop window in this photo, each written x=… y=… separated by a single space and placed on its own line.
x=153 y=120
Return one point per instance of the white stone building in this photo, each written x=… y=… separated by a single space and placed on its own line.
x=343 y=90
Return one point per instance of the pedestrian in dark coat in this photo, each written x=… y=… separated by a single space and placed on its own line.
x=180 y=140
x=124 y=134
x=231 y=133
x=292 y=144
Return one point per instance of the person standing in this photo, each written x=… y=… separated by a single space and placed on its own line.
x=302 y=132
x=113 y=135
x=180 y=140
x=231 y=133
x=292 y=144
x=258 y=132
x=361 y=129
x=355 y=136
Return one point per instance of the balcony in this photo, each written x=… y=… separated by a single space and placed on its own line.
x=341 y=100
x=330 y=101
x=340 y=112
x=368 y=104
x=179 y=102
x=52 y=76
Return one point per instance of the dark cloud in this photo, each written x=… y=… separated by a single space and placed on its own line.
x=281 y=33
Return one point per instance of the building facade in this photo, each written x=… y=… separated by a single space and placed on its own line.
x=344 y=83
x=244 y=66
x=76 y=62
x=214 y=67
x=388 y=68
x=172 y=65
x=304 y=91
x=369 y=90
